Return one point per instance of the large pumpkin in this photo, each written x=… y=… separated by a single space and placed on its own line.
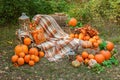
x=106 y=54
x=21 y=48
x=99 y=58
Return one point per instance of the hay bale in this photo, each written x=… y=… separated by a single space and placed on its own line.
x=60 y=18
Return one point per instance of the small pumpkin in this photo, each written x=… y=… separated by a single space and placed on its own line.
x=41 y=54
x=109 y=46
x=96 y=45
x=21 y=48
x=76 y=36
x=14 y=58
x=84 y=54
x=22 y=54
x=72 y=35
x=75 y=63
x=27 y=58
x=20 y=61
x=86 y=61
x=31 y=63
x=79 y=58
x=92 y=62
x=27 y=41
x=33 y=51
x=32 y=57
x=36 y=59
x=72 y=22
x=81 y=36
x=91 y=56
x=99 y=58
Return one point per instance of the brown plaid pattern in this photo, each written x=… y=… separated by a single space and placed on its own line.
x=58 y=43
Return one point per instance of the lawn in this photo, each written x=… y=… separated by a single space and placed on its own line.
x=45 y=70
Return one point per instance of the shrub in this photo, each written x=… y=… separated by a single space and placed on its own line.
x=10 y=10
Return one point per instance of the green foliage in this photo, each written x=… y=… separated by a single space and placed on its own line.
x=102 y=45
x=98 y=68
x=10 y=10
x=112 y=60
x=96 y=10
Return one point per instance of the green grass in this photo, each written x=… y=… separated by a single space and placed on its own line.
x=50 y=70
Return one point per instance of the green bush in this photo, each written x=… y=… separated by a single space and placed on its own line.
x=96 y=10
x=10 y=10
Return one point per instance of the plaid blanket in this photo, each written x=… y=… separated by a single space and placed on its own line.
x=58 y=43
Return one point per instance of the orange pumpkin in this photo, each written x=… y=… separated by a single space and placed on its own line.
x=72 y=35
x=109 y=46
x=27 y=58
x=36 y=59
x=32 y=57
x=21 y=54
x=31 y=62
x=84 y=54
x=86 y=37
x=91 y=56
x=79 y=58
x=72 y=22
x=99 y=58
x=20 y=61
x=95 y=44
x=27 y=41
x=92 y=40
x=76 y=36
x=21 y=48
x=106 y=54
x=41 y=54
x=14 y=58
x=81 y=36
x=96 y=37
x=33 y=51
x=86 y=61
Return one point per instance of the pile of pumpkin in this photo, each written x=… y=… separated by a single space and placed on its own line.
x=91 y=40
x=26 y=54
x=91 y=59
x=89 y=36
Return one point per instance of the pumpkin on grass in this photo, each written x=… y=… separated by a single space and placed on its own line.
x=79 y=58
x=20 y=61
x=31 y=63
x=86 y=61
x=72 y=22
x=99 y=58
x=21 y=48
x=109 y=46
x=76 y=63
x=41 y=54
x=106 y=54
x=27 y=58
x=14 y=58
